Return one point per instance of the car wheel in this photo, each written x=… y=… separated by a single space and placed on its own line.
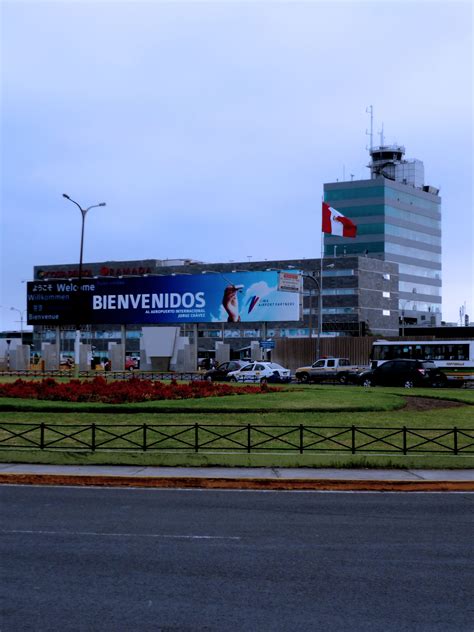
x=303 y=378
x=408 y=384
x=343 y=378
x=233 y=379
x=367 y=382
x=441 y=382
x=209 y=378
x=263 y=380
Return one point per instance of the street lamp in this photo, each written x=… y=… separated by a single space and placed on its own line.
x=22 y=313
x=404 y=305
x=77 y=342
x=317 y=282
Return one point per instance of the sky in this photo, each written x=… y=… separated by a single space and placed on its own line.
x=210 y=128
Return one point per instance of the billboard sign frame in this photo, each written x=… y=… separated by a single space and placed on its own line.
x=246 y=297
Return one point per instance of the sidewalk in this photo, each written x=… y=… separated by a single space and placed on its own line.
x=238 y=478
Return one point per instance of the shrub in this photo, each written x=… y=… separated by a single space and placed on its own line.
x=120 y=392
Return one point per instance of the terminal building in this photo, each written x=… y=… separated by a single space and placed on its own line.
x=359 y=296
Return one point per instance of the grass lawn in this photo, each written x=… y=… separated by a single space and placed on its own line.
x=319 y=406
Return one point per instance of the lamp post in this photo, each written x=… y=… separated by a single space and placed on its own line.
x=404 y=305
x=22 y=313
x=317 y=282
x=77 y=342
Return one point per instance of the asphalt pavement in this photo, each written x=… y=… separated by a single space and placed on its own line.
x=239 y=477
x=79 y=559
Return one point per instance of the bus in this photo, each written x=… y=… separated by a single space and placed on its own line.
x=454 y=357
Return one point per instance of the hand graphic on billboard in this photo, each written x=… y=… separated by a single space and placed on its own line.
x=231 y=303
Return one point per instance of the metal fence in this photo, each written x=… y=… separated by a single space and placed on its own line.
x=114 y=375
x=189 y=376
x=234 y=438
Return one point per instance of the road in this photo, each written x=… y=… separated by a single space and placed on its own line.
x=198 y=560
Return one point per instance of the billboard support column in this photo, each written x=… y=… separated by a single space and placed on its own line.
x=77 y=352
x=123 y=337
x=264 y=337
x=195 y=345
x=58 y=346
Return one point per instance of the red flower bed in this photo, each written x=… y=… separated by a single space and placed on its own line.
x=119 y=392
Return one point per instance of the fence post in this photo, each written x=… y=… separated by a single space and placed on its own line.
x=455 y=437
x=42 y=436
x=93 y=437
x=301 y=438
x=404 y=439
x=144 y=437
x=196 y=437
x=353 y=434
x=248 y=438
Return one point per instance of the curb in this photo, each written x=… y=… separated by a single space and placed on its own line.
x=237 y=483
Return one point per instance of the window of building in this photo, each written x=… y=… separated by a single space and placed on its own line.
x=413 y=235
x=354 y=193
x=339 y=310
x=337 y=273
x=407 y=198
x=386 y=312
x=386 y=294
x=416 y=253
x=418 y=288
x=428 y=273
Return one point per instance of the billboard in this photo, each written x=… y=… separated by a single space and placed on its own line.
x=184 y=298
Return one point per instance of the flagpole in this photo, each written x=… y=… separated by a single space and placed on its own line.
x=320 y=306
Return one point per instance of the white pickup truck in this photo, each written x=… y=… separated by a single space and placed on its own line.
x=339 y=369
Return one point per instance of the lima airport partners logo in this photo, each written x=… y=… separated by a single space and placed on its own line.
x=253 y=300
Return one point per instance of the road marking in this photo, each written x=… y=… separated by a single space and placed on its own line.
x=121 y=535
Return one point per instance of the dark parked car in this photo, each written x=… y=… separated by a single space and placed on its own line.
x=219 y=373
x=406 y=373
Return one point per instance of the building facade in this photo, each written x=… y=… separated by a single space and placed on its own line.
x=398 y=219
x=359 y=297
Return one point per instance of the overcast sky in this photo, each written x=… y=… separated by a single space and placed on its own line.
x=209 y=128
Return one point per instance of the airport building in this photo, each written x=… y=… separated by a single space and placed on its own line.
x=359 y=296
x=388 y=276
x=398 y=219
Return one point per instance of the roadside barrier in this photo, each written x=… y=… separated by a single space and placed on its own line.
x=248 y=438
x=111 y=375
x=185 y=376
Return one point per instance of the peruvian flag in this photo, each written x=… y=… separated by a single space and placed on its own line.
x=335 y=223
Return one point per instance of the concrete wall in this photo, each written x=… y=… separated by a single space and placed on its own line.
x=20 y=358
x=157 y=347
x=116 y=356
x=50 y=356
x=222 y=352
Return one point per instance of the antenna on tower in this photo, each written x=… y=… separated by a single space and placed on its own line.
x=370 y=110
x=381 y=137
